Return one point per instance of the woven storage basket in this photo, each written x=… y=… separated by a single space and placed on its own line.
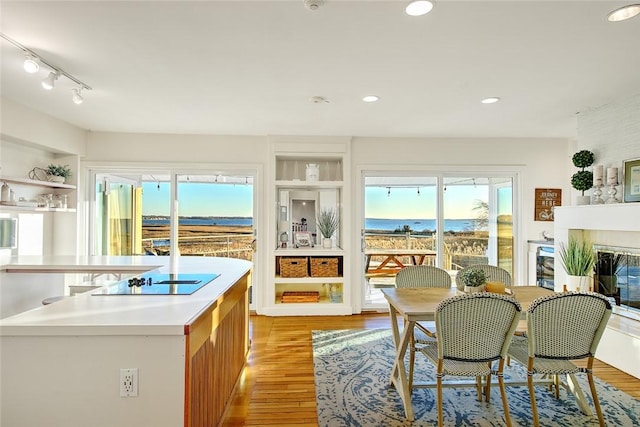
x=324 y=267
x=294 y=267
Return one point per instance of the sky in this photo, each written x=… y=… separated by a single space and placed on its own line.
x=401 y=203
x=199 y=199
x=208 y=199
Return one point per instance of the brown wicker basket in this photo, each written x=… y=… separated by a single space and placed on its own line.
x=294 y=267
x=300 y=296
x=324 y=267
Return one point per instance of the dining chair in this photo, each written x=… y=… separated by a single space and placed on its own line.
x=421 y=276
x=562 y=328
x=473 y=332
x=494 y=274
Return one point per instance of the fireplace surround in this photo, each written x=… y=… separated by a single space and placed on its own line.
x=608 y=225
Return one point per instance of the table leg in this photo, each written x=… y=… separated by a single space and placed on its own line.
x=398 y=373
x=576 y=390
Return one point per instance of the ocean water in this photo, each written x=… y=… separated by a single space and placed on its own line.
x=392 y=224
x=240 y=222
x=371 y=224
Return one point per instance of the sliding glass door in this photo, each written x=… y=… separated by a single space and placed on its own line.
x=443 y=219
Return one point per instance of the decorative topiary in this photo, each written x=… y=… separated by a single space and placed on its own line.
x=583 y=159
x=583 y=179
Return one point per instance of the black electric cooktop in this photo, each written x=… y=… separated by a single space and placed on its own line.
x=159 y=284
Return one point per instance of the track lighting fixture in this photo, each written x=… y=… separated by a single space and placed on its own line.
x=50 y=81
x=32 y=64
x=77 y=98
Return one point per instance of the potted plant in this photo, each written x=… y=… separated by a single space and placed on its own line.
x=58 y=173
x=328 y=223
x=578 y=259
x=474 y=279
x=583 y=179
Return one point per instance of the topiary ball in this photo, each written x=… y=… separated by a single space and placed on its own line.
x=583 y=158
x=582 y=180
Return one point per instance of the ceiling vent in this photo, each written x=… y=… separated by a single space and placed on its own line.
x=313 y=4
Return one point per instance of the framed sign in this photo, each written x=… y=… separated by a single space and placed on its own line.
x=546 y=200
x=302 y=239
x=631 y=179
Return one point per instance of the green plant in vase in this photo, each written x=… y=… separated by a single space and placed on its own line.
x=578 y=259
x=474 y=279
x=328 y=223
x=583 y=179
x=58 y=173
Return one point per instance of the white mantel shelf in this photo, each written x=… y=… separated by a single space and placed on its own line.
x=613 y=217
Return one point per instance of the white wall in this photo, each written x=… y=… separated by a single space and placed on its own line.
x=612 y=132
x=127 y=147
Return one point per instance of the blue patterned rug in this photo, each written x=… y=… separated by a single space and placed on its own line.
x=352 y=370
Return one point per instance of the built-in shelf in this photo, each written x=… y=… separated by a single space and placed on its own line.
x=26 y=181
x=34 y=209
x=311 y=184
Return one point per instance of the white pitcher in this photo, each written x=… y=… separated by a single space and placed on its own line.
x=313 y=172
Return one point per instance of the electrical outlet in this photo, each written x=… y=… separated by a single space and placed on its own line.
x=129 y=382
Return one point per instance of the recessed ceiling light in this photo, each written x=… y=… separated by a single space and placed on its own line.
x=419 y=7
x=624 y=12
x=491 y=100
x=370 y=98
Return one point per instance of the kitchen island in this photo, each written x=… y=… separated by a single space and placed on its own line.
x=61 y=363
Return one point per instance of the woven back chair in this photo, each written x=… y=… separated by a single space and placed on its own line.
x=421 y=276
x=473 y=331
x=494 y=274
x=561 y=328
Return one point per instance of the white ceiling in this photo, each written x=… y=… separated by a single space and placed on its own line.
x=251 y=67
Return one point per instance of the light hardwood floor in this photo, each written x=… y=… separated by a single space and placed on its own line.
x=277 y=387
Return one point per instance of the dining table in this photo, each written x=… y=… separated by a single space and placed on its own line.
x=419 y=305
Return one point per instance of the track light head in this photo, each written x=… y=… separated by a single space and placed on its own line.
x=31 y=64
x=77 y=98
x=50 y=81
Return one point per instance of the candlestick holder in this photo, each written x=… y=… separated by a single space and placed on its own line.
x=597 y=195
x=612 y=194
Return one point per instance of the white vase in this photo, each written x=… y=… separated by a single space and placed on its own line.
x=583 y=200
x=55 y=178
x=473 y=289
x=578 y=283
x=327 y=243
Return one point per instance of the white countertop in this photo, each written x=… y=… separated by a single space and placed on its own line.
x=87 y=314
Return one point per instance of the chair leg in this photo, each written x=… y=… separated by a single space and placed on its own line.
x=439 y=398
x=479 y=388
x=532 y=396
x=505 y=404
x=594 y=394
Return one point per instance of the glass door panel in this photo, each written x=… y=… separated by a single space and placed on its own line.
x=399 y=229
x=215 y=215
x=478 y=221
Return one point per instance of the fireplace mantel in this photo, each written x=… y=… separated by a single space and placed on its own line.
x=609 y=225
x=615 y=225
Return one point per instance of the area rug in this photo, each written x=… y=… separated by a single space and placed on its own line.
x=352 y=369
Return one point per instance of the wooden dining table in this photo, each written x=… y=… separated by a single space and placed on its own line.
x=419 y=304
